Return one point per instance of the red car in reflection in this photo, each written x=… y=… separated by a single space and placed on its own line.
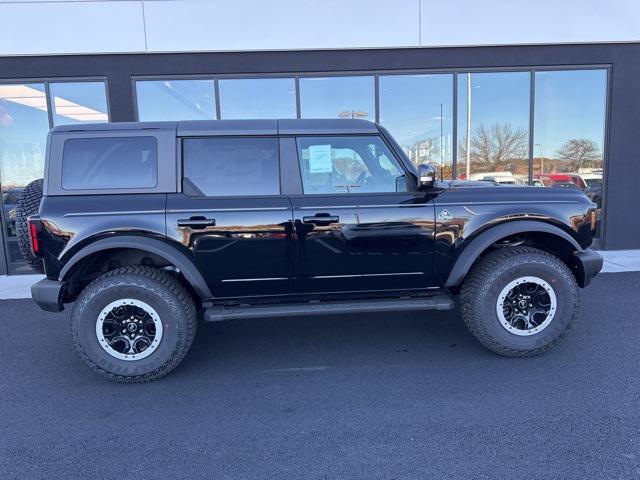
x=550 y=179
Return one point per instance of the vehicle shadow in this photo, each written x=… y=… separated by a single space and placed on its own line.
x=322 y=342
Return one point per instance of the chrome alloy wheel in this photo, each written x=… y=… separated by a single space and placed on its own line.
x=129 y=329
x=526 y=306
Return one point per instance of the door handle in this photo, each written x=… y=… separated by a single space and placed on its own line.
x=321 y=219
x=197 y=222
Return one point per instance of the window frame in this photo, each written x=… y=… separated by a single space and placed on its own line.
x=166 y=173
x=181 y=166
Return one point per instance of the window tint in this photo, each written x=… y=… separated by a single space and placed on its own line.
x=221 y=167
x=358 y=164
x=116 y=162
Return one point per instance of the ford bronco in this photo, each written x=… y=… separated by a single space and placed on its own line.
x=146 y=228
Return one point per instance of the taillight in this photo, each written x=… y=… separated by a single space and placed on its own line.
x=594 y=219
x=34 y=229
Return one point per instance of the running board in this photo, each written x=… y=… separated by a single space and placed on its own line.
x=436 y=302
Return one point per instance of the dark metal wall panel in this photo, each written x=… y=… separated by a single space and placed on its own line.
x=621 y=229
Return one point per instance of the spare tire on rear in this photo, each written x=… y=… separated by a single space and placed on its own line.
x=28 y=204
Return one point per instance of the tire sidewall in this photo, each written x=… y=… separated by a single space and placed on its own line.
x=92 y=302
x=561 y=322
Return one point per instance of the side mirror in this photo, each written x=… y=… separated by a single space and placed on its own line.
x=426 y=176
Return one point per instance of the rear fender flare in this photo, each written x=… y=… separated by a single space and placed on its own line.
x=164 y=250
x=487 y=238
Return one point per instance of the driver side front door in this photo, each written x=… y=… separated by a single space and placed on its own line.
x=360 y=224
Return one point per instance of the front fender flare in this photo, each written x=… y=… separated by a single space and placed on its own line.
x=487 y=238
x=170 y=253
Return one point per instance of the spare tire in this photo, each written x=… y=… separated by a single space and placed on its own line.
x=28 y=204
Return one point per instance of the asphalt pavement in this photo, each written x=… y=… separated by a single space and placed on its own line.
x=389 y=396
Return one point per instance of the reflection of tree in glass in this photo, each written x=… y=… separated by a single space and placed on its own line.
x=497 y=147
x=579 y=153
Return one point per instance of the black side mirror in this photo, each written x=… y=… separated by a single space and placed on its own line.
x=426 y=176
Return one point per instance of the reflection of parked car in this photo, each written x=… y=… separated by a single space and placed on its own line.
x=594 y=191
x=499 y=178
x=10 y=199
x=550 y=179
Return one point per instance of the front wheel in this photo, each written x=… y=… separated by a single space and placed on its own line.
x=519 y=301
x=134 y=324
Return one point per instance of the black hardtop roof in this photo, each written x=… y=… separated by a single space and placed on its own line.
x=234 y=127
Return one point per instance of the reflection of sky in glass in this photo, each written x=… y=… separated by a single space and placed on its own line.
x=257 y=98
x=501 y=97
x=176 y=100
x=410 y=107
x=76 y=102
x=336 y=97
x=568 y=105
x=23 y=133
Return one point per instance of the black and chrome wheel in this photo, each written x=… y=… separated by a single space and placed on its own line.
x=134 y=324
x=129 y=329
x=519 y=301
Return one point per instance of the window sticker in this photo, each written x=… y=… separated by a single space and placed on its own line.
x=320 y=159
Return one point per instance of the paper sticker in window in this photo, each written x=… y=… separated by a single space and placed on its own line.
x=320 y=159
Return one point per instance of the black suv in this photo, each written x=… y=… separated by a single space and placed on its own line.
x=147 y=227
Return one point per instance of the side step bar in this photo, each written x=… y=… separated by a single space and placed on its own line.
x=436 y=302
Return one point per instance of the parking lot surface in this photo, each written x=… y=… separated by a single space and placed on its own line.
x=402 y=396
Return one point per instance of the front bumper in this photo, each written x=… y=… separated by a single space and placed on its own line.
x=47 y=294
x=587 y=265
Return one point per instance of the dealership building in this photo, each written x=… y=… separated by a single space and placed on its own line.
x=545 y=93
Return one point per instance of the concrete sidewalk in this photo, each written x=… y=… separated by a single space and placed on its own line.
x=615 y=261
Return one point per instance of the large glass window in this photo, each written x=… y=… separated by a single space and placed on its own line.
x=337 y=97
x=24 y=125
x=569 y=126
x=257 y=98
x=114 y=162
x=175 y=100
x=76 y=102
x=493 y=126
x=219 y=167
x=418 y=111
x=361 y=164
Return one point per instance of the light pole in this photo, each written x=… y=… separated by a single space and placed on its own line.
x=468 y=125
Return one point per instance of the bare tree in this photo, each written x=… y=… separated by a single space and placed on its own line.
x=495 y=147
x=579 y=153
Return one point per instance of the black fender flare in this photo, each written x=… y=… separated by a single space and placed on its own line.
x=487 y=238
x=170 y=253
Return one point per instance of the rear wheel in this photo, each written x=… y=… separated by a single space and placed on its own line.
x=134 y=324
x=519 y=301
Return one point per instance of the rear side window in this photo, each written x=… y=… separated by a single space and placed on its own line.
x=110 y=162
x=222 y=167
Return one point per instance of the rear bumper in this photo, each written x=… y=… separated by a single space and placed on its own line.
x=587 y=265
x=47 y=294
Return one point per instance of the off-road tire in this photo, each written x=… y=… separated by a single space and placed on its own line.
x=164 y=293
x=28 y=204
x=480 y=291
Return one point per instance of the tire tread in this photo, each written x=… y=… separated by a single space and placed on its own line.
x=480 y=278
x=146 y=277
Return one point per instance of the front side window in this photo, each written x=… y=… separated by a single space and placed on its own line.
x=355 y=164
x=106 y=163
x=222 y=167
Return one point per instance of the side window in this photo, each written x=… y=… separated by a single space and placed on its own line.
x=110 y=162
x=222 y=167
x=349 y=164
